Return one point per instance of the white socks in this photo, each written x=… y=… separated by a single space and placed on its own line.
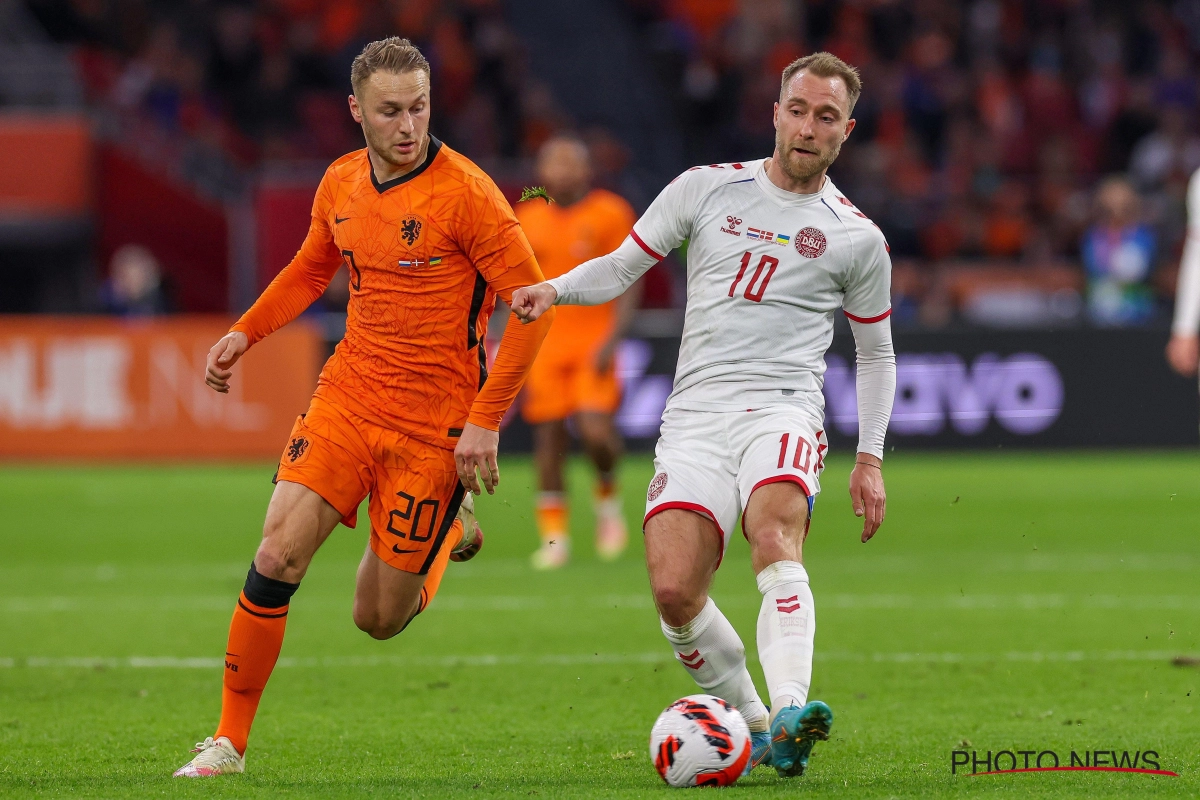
x=711 y=652
x=786 y=627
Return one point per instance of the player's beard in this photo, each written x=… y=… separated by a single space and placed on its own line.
x=383 y=148
x=802 y=169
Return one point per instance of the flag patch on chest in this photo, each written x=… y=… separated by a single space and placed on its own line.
x=414 y=263
x=768 y=236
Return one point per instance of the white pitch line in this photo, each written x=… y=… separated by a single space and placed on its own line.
x=573 y=659
x=518 y=603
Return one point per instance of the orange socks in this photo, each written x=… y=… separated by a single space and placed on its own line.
x=255 y=639
x=433 y=578
x=552 y=518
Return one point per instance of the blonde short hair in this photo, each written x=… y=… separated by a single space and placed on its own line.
x=388 y=55
x=825 y=65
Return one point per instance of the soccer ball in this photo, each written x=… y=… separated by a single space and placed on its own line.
x=700 y=740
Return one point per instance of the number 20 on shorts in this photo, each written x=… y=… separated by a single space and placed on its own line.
x=754 y=289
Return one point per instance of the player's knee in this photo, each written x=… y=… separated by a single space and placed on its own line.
x=677 y=603
x=776 y=540
x=373 y=624
x=380 y=625
x=279 y=555
x=277 y=558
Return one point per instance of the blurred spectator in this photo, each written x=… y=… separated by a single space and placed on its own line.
x=982 y=128
x=135 y=286
x=1118 y=254
x=1173 y=148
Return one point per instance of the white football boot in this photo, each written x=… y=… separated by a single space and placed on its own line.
x=472 y=538
x=216 y=757
x=553 y=554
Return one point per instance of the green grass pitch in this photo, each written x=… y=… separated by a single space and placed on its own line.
x=1011 y=602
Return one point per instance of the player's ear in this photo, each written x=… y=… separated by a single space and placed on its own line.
x=849 y=127
x=775 y=115
x=354 y=109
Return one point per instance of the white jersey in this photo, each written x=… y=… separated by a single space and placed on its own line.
x=1187 y=294
x=767 y=270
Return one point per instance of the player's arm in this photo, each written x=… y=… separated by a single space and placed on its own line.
x=294 y=289
x=664 y=226
x=494 y=242
x=480 y=441
x=1183 y=350
x=868 y=306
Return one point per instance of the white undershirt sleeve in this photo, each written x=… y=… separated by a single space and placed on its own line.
x=1187 y=293
x=601 y=279
x=875 y=382
x=664 y=226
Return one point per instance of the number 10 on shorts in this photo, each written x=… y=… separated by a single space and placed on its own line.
x=805 y=458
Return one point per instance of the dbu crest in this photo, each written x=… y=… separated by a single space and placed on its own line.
x=410 y=230
x=296 y=448
x=656 y=486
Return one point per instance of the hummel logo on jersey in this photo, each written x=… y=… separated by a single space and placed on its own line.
x=787 y=605
x=692 y=660
x=733 y=222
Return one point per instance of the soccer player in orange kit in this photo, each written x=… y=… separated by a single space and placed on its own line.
x=574 y=376
x=401 y=412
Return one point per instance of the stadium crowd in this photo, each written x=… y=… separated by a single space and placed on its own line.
x=1052 y=140
x=267 y=80
x=1027 y=160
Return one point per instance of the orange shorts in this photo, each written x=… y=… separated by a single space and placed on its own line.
x=414 y=487
x=559 y=388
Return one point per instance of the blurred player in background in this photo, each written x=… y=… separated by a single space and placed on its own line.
x=401 y=413
x=575 y=377
x=774 y=251
x=1183 y=351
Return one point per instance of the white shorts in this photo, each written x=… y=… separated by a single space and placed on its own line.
x=711 y=462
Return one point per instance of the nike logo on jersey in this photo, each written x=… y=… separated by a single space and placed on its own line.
x=396 y=549
x=339 y=220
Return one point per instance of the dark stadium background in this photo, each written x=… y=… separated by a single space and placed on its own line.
x=196 y=132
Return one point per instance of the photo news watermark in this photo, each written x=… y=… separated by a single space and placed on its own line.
x=1004 y=762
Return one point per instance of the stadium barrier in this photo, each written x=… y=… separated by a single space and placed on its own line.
x=74 y=387
x=969 y=389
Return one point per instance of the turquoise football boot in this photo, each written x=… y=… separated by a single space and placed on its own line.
x=794 y=732
x=760 y=750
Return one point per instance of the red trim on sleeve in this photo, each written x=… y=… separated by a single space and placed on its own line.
x=643 y=245
x=882 y=316
x=697 y=508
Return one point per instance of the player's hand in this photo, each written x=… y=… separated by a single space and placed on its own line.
x=221 y=358
x=476 y=450
x=605 y=355
x=1183 y=354
x=866 y=492
x=531 y=302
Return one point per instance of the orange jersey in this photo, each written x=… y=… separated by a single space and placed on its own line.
x=565 y=237
x=427 y=254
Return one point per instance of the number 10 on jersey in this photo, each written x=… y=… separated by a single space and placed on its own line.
x=754 y=289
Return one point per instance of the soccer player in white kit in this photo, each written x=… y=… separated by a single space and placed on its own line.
x=1183 y=350
x=775 y=249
